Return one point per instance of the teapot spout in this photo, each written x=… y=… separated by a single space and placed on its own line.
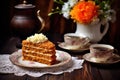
x=41 y=20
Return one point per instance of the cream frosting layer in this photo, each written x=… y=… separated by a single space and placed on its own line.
x=36 y=38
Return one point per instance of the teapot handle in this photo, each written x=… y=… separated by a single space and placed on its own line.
x=41 y=20
x=105 y=29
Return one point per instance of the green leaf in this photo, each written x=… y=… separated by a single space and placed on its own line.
x=59 y=2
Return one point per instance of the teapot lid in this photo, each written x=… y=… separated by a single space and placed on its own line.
x=24 y=5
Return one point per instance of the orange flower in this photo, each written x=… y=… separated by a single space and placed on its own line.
x=84 y=12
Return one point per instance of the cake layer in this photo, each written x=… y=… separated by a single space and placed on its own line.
x=39 y=54
x=46 y=45
x=39 y=59
x=37 y=49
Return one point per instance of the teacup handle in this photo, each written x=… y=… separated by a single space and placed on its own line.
x=87 y=40
x=41 y=20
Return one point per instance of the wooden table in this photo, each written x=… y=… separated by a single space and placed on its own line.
x=88 y=72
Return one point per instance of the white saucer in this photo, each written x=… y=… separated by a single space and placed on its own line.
x=63 y=59
x=63 y=45
x=112 y=59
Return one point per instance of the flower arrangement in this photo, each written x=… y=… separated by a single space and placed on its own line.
x=86 y=11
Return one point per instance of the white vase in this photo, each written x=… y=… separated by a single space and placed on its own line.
x=92 y=31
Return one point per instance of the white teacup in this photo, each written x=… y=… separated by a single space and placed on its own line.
x=101 y=52
x=75 y=41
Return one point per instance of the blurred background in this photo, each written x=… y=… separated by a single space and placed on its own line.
x=55 y=23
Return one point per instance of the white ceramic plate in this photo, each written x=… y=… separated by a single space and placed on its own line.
x=113 y=59
x=63 y=45
x=63 y=58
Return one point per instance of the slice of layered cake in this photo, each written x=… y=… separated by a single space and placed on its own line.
x=38 y=48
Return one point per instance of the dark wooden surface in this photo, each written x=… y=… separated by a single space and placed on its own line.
x=88 y=72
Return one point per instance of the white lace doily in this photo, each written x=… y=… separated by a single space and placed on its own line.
x=7 y=67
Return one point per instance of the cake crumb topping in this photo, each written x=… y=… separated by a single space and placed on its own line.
x=36 y=38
